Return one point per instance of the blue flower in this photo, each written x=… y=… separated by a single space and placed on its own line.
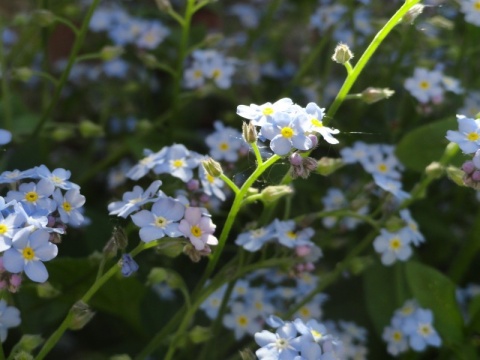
x=263 y=114
x=69 y=206
x=179 y=162
x=153 y=34
x=253 y=240
x=282 y=345
x=287 y=236
x=132 y=200
x=150 y=160
x=468 y=135
x=34 y=195
x=28 y=251
x=9 y=317
x=5 y=137
x=420 y=331
x=286 y=131
x=58 y=177
x=129 y=266
x=163 y=219
x=393 y=246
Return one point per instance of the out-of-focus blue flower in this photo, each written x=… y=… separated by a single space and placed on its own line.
x=225 y=142
x=425 y=85
x=420 y=331
x=289 y=237
x=5 y=137
x=152 y=35
x=241 y=320
x=178 y=162
x=150 y=161
x=253 y=240
x=9 y=317
x=116 y=68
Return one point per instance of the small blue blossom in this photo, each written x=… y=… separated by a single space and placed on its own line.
x=287 y=236
x=420 y=330
x=5 y=137
x=241 y=320
x=179 y=162
x=28 y=252
x=411 y=228
x=69 y=205
x=225 y=143
x=468 y=135
x=212 y=186
x=283 y=344
x=262 y=114
x=116 y=68
x=153 y=34
x=132 y=200
x=392 y=186
x=34 y=195
x=286 y=132
x=393 y=246
x=425 y=85
x=212 y=304
x=253 y=240
x=129 y=266
x=58 y=177
x=9 y=317
x=162 y=220
x=9 y=225
x=150 y=161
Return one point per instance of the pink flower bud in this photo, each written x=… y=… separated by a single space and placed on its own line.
x=303 y=250
x=468 y=167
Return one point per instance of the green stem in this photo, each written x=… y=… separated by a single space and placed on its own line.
x=57 y=334
x=46 y=76
x=71 y=60
x=230 y=183
x=256 y=151
x=67 y=23
x=377 y=40
x=7 y=110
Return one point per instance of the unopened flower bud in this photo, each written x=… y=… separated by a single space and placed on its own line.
x=62 y=134
x=457 y=176
x=249 y=132
x=213 y=39
x=372 y=95
x=296 y=159
x=342 y=54
x=149 y=60
x=43 y=17
x=200 y=334
x=89 y=129
x=303 y=170
x=413 y=13
x=273 y=193
x=23 y=355
x=23 y=74
x=111 y=52
x=303 y=250
x=476 y=175
x=314 y=140
x=82 y=314
x=212 y=167
x=28 y=343
x=164 y=5
x=193 y=185
x=327 y=166
x=434 y=170
x=47 y=291
x=468 y=167
x=194 y=254
x=171 y=248
x=394 y=224
x=247 y=354
x=118 y=241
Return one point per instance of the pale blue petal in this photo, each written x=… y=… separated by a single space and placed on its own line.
x=280 y=145
x=36 y=271
x=13 y=261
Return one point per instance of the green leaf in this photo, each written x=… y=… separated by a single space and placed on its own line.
x=425 y=144
x=436 y=292
x=383 y=294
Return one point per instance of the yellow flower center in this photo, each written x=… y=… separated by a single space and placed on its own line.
x=473 y=136
x=56 y=180
x=3 y=229
x=267 y=111
x=160 y=222
x=424 y=329
x=223 y=146
x=210 y=178
x=395 y=243
x=242 y=320
x=476 y=6
x=196 y=231
x=317 y=123
x=178 y=163
x=424 y=85
x=216 y=73
x=397 y=336
x=31 y=196
x=150 y=38
x=145 y=161
x=287 y=132
x=382 y=167
x=305 y=312
x=291 y=235
x=316 y=335
x=197 y=74
x=67 y=207
x=28 y=253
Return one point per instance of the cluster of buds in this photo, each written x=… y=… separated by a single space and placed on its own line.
x=301 y=166
x=471 y=168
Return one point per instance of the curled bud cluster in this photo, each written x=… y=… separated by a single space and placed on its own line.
x=471 y=169
x=301 y=166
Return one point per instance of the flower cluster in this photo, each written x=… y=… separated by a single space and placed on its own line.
x=411 y=328
x=209 y=65
x=124 y=29
x=226 y=143
x=167 y=217
x=310 y=339
x=288 y=125
x=32 y=218
x=471 y=9
x=380 y=161
x=335 y=200
x=429 y=86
